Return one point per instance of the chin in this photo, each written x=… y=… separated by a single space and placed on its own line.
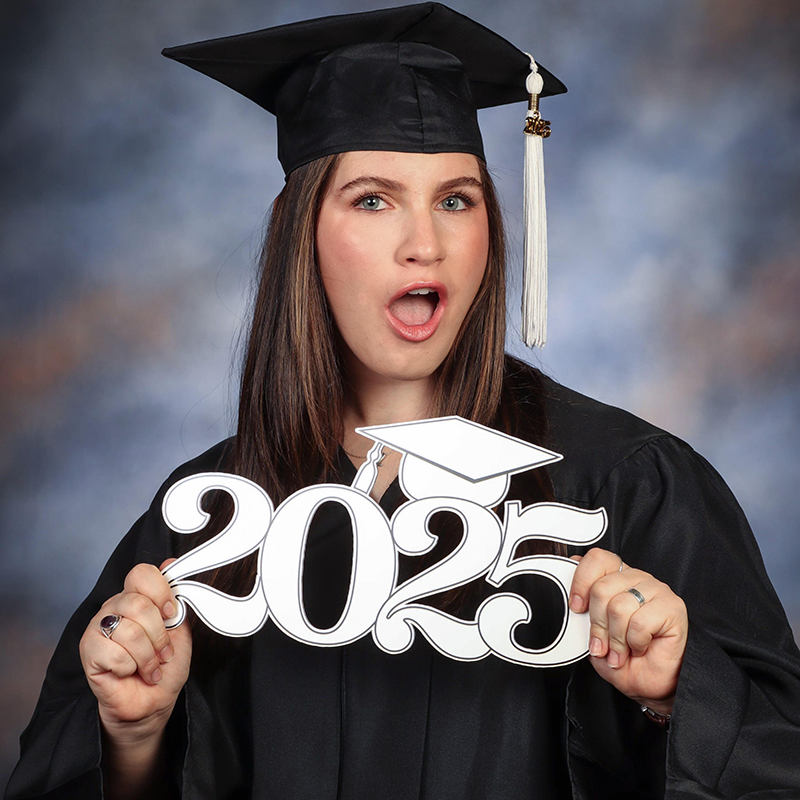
x=414 y=366
x=418 y=374
x=388 y=359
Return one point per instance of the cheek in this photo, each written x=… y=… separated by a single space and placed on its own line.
x=340 y=259
x=338 y=253
x=480 y=237
x=350 y=267
x=474 y=246
x=344 y=246
x=481 y=260
x=335 y=256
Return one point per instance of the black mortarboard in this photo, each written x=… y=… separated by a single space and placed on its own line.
x=406 y=79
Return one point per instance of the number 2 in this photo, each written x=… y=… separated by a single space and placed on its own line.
x=393 y=631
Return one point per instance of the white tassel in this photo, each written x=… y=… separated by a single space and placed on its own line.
x=534 y=282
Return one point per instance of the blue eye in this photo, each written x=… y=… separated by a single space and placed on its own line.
x=370 y=202
x=454 y=203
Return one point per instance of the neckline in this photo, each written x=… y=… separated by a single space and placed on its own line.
x=391 y=498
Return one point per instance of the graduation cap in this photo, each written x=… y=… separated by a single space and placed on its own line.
x=454 y=457
x=407 y=79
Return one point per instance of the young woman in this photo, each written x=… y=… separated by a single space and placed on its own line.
x=382 y=300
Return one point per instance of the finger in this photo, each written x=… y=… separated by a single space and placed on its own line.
x=100 y=655
x=146 y=579
x=139 y=609
x=665 y=615
x=132 y=637
x=594 y=565
x=620 y=613
x=601 y=594
x=140 y=633
x=642 y=627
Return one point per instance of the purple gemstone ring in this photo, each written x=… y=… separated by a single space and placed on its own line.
x=109 y=624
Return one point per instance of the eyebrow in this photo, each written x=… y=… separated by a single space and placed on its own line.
x=371 y=180
x=459 y=183
x=395 y=186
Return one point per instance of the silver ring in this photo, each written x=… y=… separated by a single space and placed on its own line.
x=621 y=564
x=109 y=624
x=638 y=595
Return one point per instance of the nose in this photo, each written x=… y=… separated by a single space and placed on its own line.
x=421 y=242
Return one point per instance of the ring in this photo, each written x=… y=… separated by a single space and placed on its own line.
x=638 y=595
x=109 y=624
x=621 y=564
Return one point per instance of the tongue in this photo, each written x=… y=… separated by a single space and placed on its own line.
x=414 y=309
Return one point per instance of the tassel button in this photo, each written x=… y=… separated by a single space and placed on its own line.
x=536 y=126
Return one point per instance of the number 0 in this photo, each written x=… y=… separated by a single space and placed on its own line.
x=372 y=577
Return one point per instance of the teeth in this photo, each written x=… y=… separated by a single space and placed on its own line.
x=421 y=291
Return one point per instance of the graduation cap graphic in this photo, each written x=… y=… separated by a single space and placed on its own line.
x=454 y=457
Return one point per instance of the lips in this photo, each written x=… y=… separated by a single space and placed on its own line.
x=416 y=310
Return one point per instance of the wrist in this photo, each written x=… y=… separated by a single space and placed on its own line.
x=134 y=761
x=134 y=734
x=661 y=707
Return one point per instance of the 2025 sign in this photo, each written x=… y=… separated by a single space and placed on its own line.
x=448 y=464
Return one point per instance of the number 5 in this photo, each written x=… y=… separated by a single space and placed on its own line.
x=499 y=615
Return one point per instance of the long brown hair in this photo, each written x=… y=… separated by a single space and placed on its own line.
x=292 y=384
x=292 y=389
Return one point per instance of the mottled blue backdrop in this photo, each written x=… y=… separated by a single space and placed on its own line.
x=133 y=193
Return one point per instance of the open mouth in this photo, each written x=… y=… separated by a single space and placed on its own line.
x=416 y=307
x=415 y=313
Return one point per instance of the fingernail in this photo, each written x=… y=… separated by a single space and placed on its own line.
x=156 y=676
x=613 y=659
x=595 y=646
x=166 y=654
x=169 y=609
x=576 y=602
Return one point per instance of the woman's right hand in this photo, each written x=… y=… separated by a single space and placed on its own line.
x=138 y=673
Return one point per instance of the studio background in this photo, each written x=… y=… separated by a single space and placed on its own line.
x=133 y=195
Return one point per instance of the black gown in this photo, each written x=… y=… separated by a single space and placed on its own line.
x=285 y=720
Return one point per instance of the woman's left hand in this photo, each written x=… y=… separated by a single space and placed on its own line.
x=637 y=648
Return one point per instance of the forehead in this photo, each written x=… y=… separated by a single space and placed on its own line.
x=409 y=169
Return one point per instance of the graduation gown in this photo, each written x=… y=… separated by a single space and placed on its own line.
x=280 y=719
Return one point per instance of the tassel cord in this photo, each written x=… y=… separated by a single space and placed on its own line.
x=534 y=289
